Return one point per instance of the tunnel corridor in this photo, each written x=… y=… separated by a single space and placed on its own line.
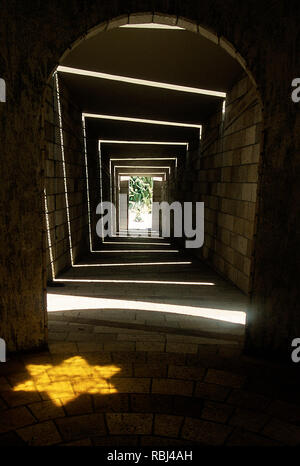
x=144 y=340
x=146 y=349
x=145 y=282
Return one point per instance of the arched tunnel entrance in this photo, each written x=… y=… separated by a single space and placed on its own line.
x=152 y=99
x=146 y=336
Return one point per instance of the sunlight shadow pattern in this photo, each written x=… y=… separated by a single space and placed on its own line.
x=68 y=380
x=58 y=302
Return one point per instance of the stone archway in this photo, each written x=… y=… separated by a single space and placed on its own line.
x=243 y=255
x=33 y=58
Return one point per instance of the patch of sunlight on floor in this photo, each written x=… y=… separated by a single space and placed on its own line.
x=58 y=302
x=68 y=380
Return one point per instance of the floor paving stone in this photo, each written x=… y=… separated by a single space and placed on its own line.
x=46 y=410
x=79 y=443
x=15 y=418
x=166 y=358
x=150 y=370
x=63 y=348
x=119 y=346
x=211 y=391
x=150 y=346
x=90 y=347
x=172 y=387
x=19 y=398
x=129 y=423
x=154 y=441
x=248 y=419
x=285 y=411
x=185 y=348
x=11 y=439
x=171 y=379
x=186 y=373
x=43 y=434
x=227 y=379
x=3 y=405
x=58 y=336
x=132 y=385
x=76 y=427
x=247 y=399
x=81 y=405
x=118 y=402
x=204 y=432
x=217 y=412
x=286 y=433
x=151 y=403
x=167 y=425
x=116 y=441
x=188 y=406
x=127 y=357
x=244 y=438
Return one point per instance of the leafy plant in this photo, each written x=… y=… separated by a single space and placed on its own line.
x=140 y=195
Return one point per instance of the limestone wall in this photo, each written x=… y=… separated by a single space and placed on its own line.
x=265 y=40
x=223 y=173
x=65 y=181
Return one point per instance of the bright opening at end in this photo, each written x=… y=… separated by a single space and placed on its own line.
x=69 y=302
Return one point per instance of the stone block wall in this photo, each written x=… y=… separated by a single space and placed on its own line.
x=95 y=190
x=62 y=165
x=223 y=173
x=265 y=37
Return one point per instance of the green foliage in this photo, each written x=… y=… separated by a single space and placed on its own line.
x=140 y=195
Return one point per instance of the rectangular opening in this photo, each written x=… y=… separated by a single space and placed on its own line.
x=140 y=200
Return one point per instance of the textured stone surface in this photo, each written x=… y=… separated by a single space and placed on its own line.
x=168 y=426
x=172 y=386
x=283 y=432
x=41 y=434
x=205 y=432
x=81 y=426
x=217 y=412
x=249 y=420
x=14 y=418
x=34 y=38
x=185 y=411
x=46 y=410
x=129 y=423
x=211 y=391
x=223 y=173
x=224 y=378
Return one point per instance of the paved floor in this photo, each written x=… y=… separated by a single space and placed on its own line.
x=148 y=282
x=116 y=376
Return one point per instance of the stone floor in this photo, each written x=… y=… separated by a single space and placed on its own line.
x=148 y=282
x=134 y=377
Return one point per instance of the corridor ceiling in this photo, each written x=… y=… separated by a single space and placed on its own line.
x=168 y=56
x=165 y=56
x=123 y=130
x=171 y=56
x=107 y=97
x=141 y=150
